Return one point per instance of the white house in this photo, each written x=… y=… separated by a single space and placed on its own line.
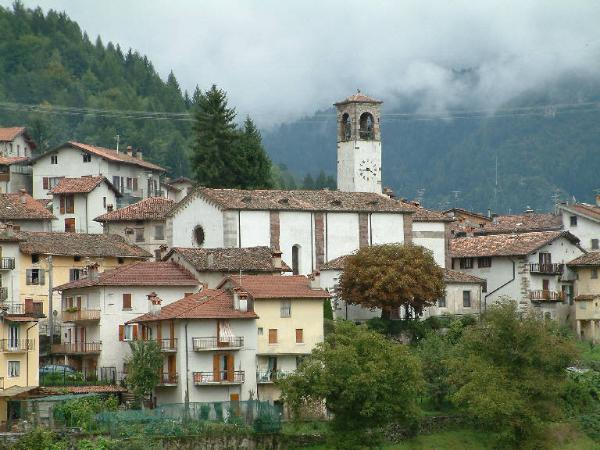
x=134 y=177
x=15 y=153
x=24 y=212
x=15 y=142
x=142 y=223
x=583 y=220
x=76 y=201
x=177 y=189
x=95 y=311
x=528 y=267
x=211 y=265
x=211 y=343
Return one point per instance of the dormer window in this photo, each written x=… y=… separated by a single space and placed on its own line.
x=87 y=158
x=53 y=159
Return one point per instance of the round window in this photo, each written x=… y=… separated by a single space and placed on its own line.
x=199 y=236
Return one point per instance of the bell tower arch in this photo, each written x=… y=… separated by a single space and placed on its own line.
x=359 y=144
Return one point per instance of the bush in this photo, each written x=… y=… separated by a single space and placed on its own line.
x=39 y=438
x=82 y=412
x=204 y=412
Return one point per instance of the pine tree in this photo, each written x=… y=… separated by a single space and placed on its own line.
x=257 y=165
x=308 y=182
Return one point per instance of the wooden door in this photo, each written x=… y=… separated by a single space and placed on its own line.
x=546 y=285
x=216 y=368
x=172 y=333
x=79 y=303
x=172 y=367
x=545 y=258
x=230 y=368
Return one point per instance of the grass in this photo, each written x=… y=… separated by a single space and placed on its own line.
x=589 y=352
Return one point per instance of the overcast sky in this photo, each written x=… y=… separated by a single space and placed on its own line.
x=279 y=59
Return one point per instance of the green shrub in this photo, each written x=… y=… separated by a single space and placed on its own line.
x=204 y=412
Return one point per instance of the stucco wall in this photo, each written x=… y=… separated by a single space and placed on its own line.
x=149 y=243
x=386 y=228
x=431 y=236
x=191 y=214
x=585 y=230
x=297 y=228
x=86 y=207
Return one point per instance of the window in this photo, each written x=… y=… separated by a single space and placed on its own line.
x=53 y=159
x=104 y=202
x=129 y=332
x=595 y=244
x=299 y=336
x=35 y=258
x=594 y=274
x=366 y=126
x=441 y=303
x=273 y=336
x=34 y=276
x=70 y=225
x=76 y=274
x=286 y=308
x=14 y=369
x=159 y=232
x=117 y=183
x=139 y=235
x=486 y=261
x=126 y=301
x=67 y=204
x=120 y=260
x=135 y=184
x=573 y=221
x=13 y=336
x=260 y=331
x=296 y=259
x=87 y=158
x=49 y=182
x=199 y=235
x=129 y=183
x=466 y=299
x=77 y=258
x=466 y=263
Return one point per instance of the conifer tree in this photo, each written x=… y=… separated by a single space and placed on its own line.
x=257 y=165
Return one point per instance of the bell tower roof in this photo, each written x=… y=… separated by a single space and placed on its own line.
x=359 y=97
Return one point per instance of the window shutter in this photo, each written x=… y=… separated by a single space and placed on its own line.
x=299 y=336
x=230 y=367
x=159 y=332
x=45 y=183
x=41 y=276
x=216 y=370
x=144 y=333
x=62 y=204
x=121 y=332
x=28 y=276
x=135 y=331
x=135 y=184
x=126 y=301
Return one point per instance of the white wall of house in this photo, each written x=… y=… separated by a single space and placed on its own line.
x=10 y=278
x=87 y=206
x=431 y=235
x=586 y=229
x=342 y=234
x=297 y=228
x=386 y=228
x=151 y=233
x=17 y=147
x=32 y=225
x=454 y=303
x=196 y=212
x=255 y=228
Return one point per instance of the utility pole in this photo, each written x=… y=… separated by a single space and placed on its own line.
x=118 y=143
x=50 y=305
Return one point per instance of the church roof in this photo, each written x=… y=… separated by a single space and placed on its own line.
x=358 y=98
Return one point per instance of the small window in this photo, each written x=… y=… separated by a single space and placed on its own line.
x=260 y=331
x=14 y=369
x=34 y=276
x=104 y=202
x=299 y=336
x=296 y=259
x=135 y=184
x=126 y=301
x=53 y=159
x=594 y=274
x=286 y=308
x=35 y=258
x=69 y=204
x=76 y=258
x=139 y=235
x=466 y=299
x=75 y=274
x=129 y=334
x=441 y=302
x=159 y=232
x=466 y=263
x=117 y=183
x=129 y=183
x=273 y=336
x=486 y=261
x=120 y=260
x=87 y=158
x=199 y=236
x=595 y=244
x=573 y=221
x=70 y=225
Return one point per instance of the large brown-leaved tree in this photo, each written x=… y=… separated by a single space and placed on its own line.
x=392 y=276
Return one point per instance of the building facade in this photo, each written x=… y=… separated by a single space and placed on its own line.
x=587 y=296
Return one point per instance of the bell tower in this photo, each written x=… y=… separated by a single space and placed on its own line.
x=358 y=144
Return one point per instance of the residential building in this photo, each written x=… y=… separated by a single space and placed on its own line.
x=68 y=257
x=15 y=142
x=467 y=221
x=134 y=177
x=24 y=213
x=289 y=324
x=587 y=296
x=76 y=201
x=142 y=223
x=215 y=332
x=177 y=189
x=522 y=223
x=527 y=267
x=95 y=311
x=583 y=220
x=211 y=265
x=308 y=227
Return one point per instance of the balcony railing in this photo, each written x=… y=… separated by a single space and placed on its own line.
x=77 y=348
x=546 y=296
x=200 y=344
x=80 y=315
x=103 y=376
x=270 y=376
x=3 y=294
x=167 y=345
x=219 y=377
x=547 y=269
x=17 y=345
x=168 y=379
x=7 y=263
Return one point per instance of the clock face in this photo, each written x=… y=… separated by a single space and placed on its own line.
x=368 y=169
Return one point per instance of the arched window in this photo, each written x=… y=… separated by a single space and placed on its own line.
x=198 y=236
x=367 y=126
x=296 y=259
x=346 y=127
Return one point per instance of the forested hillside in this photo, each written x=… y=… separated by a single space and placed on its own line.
x=48 y=60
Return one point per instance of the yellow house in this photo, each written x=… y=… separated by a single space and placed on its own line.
x=587 y=296
x=50 y=259
x=289 y=324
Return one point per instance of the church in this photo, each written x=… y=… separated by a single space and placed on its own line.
x=311 y=228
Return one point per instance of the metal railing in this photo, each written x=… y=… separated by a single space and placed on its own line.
x=167 y=345
x=168 y=378
x=80 y=315
x=219 y=376
x=17 y=345
x=549 y=269
x=211 y=343
x=77 y=347
x=270 y=376
x=103 y=376
x=546 y=295
x=7 y=263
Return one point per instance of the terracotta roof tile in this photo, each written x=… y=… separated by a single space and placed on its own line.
x=589 y=259
x=298 y=200
x=358 y=98
x=273 y=286
x=206 y=304
x=428 y=215
x=335 y=264
x=142 y=273
x=520 y=244
x=151 y=208
x=454 y=212
x=22 y=206
x=8 y=134
x=80 y=185
x=10 y=160
x=522 y=223
x=454 y=276
x=584 y=209
x=79 y=244
x=248 y=259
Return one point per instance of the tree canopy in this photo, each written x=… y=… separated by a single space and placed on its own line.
x=392 y=276
x=144 y=367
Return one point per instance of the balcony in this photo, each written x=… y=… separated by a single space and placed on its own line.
x=546 y=296
x=168 y=379
x=546 y=269
x=4 y=176
x=3 y=294
x=270 y=376
x=80 y=315
x=17 y=345
x=203 y=344
x=7 y=263
x=167 y=345
x=219 y=377
x=77 y=348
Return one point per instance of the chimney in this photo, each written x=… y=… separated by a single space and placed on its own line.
x=109 y=208
x=23 y=196
x=529 y=210
x=155 y=302
x=129 y=150
x=489 y=214
x=92 y=271
x=210 y=261
x=162 y=251
x=276 y=259
x=236 y=298
x=597 y=199
x=139 y=153
x=494 y=218
x=243 y=301
x=315 y=280
x=203 y=286
x=389 y=192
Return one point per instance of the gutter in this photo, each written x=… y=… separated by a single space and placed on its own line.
x=27 y=359
x=501 y=286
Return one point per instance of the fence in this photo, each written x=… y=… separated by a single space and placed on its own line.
x=103 y=376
